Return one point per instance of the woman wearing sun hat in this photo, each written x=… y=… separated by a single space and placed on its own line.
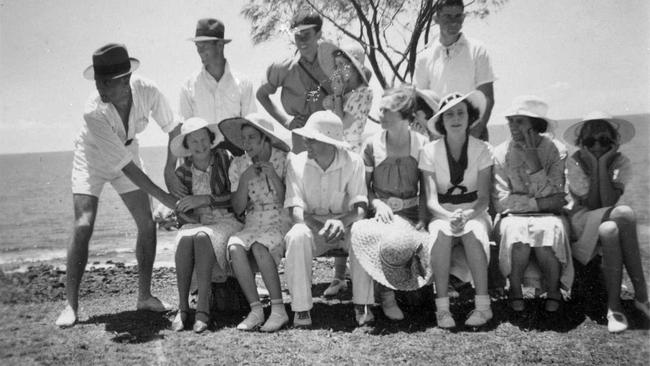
x=202 y=244
x=426 y=105
x=529 y=195
x=598 y=175
x=351 y=101
x=257 y=180
x=457 y=173
x=398 y=210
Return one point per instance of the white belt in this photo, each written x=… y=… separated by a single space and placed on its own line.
x=398 y=204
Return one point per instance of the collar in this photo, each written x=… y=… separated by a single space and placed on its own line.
x=461 y=41
x=338 y=162
x=226 y=74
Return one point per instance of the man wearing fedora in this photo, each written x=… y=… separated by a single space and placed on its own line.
x=215 y=93
x=326 y=193
x=106 y=150
x=304 y=78
x=453 y=62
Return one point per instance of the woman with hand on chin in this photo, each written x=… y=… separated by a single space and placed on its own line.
x=202 y=244
x=257 y=179
x=457 y=171
x=598 y=175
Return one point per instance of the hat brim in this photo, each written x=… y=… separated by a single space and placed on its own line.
x=176 y=145
x=625 y=129
x=231 y=130
x=89 y=72
x=551 y=124
x=361 y=70
x=476 y=98
x=366 y=240
x=208 y=39
x=301 y=27
x=315 y=135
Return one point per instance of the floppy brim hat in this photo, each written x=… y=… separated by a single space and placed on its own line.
x=231 y=130
x=111 y=62
x=190 y=125
x=209 y=29
x=361 y=70
x=531 y=106
x=395 y=255
x=324 y=126
x=624 y=128
x=476 y=98
x=430 y=97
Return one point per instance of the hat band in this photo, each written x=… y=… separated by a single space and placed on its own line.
x=113 y=69
x=208 y=33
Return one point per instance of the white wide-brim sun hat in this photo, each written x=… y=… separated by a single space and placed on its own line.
x=231 y=129
x=531 y=106
x=624 y=128
x=190 y=125
x=476 y=98
x=324 y=126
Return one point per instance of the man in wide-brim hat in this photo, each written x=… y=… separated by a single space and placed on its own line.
x=215 y=92
x=106 y=151
x=326 y=193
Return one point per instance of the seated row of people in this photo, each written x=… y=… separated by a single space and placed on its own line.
x=408 y=211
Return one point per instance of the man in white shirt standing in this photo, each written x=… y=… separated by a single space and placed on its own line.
x=214 y=93
x=455 y=63
x=106 y=151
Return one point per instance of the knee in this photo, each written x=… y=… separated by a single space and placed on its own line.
x=258 y=250
x=624 y=214
x=298 y=236
x=236 y=251
x=202 y=239
x=608 y=229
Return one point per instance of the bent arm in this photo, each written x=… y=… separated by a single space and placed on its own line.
x=263 y=96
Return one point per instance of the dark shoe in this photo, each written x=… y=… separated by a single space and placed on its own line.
x=552 y=305
x=517 y=304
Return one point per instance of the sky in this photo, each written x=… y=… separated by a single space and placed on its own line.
x=579 y=55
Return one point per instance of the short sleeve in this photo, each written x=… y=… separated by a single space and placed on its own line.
x=486 y=157
x=161 y=111
x=426 y=159
x=483 y=67
x=275 y=75
x=621 y=172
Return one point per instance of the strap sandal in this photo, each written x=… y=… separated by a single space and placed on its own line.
x=252 y=321
x=67 y=318
x=337 y=285
x=363 y=315
x=445 y=320
x=616 y=321
x=552 y=305
x=178 y=324
x=302 y=319
x=201 y=325
x=517 y=304
x=275 y=322
x=478 y=318
x=643 y=307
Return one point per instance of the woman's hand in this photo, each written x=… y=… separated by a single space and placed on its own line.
x=608 y=156
x=528 y=150
x=266 y=168
x=421 y=225
x=191 y=202
x=338 y=84
x=457 y=221
x=383 y=213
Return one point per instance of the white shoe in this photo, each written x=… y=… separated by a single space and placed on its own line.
x=616 y=322
x=335 y=287
x=252 y=321
x=445 y=320
x=153 y=304
x=363 y=315
x=478 y=317
x=275 y=322
x=67 y=318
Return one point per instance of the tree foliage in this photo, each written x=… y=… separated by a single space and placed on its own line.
x=391 y=32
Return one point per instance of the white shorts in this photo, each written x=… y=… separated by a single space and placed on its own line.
x=89 y=172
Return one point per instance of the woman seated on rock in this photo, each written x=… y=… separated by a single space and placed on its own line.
x=457 y=171
x=257 y=180
x=394 y=184
x=529 y=195
x=598 y=175
x=202 y=245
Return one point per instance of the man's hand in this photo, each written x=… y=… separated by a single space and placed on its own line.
x=191 y=202
x=332 y=230
x=174 y=184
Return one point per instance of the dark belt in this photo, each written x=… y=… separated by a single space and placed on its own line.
x=456 y=199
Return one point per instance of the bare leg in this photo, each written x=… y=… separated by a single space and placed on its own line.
x=477 y=261
x=441 y=261
x=629 y=241
x=612 y=264
x=184 y=267
x=145 y=248
x=519 y=258
x=243 y=272
x=268 y=269
x=85 y=211
x=550 y=266
x=204 y=260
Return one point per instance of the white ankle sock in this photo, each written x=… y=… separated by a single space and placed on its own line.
x=442 y=303
x=277 y=306
x=482 y=302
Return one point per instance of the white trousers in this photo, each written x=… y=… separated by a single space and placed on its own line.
x=302 y=244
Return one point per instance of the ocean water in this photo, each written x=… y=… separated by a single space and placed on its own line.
x=36 y=205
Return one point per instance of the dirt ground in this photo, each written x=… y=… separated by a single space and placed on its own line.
x=110 y=331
